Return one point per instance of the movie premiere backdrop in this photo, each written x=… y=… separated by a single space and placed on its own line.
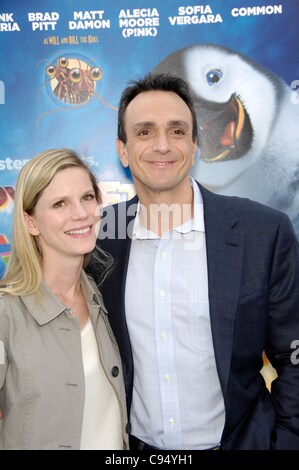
x=64 y=63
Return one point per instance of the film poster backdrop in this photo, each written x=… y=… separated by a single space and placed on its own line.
x=63 y=65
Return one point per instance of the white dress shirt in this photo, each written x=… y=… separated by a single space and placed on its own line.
x=177 y=400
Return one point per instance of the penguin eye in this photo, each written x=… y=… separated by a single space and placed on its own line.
x=214 y=76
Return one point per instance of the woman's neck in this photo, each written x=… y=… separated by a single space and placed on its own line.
x=63 y=278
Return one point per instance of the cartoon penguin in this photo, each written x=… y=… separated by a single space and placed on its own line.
x=248 y=126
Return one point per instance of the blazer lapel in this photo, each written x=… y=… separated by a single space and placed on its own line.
x=225 y=247
x=114 y=290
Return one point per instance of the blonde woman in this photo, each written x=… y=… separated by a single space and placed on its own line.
x=61 y=383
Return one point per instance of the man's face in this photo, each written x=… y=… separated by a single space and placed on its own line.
x=159 y=148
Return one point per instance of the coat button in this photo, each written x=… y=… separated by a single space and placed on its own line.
x=128 y=428
x=115 y=371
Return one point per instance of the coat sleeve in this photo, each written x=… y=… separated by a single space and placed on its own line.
x=4 y=333
x=283 y=334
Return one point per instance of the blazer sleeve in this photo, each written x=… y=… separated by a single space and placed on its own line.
x=283 y=330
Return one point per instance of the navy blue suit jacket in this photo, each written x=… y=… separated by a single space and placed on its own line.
x=253 y=275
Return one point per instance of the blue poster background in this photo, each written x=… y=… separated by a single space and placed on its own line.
x=33 y=118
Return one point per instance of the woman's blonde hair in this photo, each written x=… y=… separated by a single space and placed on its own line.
x=24 y=274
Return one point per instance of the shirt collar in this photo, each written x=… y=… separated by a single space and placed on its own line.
x=194 y=224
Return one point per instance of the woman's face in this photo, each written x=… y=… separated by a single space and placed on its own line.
x=64 y=219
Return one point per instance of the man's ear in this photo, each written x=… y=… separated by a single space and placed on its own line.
x=122 y=152
x=31 y=227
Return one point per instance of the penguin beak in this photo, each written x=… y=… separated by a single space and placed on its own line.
x=225 y=131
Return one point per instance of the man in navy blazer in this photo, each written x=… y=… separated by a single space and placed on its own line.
x=194 y=300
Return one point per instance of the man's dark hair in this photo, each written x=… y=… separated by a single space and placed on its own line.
x=154 y=82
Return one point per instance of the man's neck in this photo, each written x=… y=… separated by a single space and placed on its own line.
x=166 y=210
